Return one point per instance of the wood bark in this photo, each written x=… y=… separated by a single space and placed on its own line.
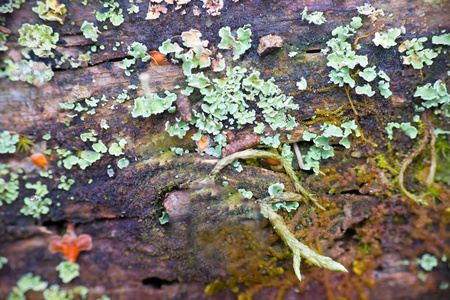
x=210 y=237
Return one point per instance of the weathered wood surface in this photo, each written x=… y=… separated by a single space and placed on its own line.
x=134 y=257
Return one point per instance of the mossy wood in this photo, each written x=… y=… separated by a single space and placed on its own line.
x=216 y=240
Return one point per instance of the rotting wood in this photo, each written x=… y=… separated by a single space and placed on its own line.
x=121 y=213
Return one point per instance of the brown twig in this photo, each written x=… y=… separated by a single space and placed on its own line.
x=355 y=43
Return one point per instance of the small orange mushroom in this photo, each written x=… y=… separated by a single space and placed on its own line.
x=271 y=161
x=157 y=57
x=70 y=244
x=39 y=160
x=203 y=143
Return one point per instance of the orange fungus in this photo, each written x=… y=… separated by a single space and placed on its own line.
x=157 y=57
x=39 y=160
x=203 y=142
x=70 y=244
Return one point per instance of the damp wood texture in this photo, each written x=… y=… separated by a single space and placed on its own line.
x=135 y=204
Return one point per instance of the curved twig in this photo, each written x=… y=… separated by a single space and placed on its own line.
x=251 y=153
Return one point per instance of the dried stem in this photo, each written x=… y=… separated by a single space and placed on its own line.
x=427 y=128
x=430 y=178
x=350 y=99
x=299 y=249
x=311 y=90
x=299 y=156
x=251 y=153
x=355 y=43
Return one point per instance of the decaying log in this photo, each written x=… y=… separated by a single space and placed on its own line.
x=216 y=239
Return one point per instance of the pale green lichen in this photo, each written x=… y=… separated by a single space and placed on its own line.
x=3 y=261
x=443 y=39
x=356 y=23
x=123 y=163
x=99 y=147
x=387 y=39
x=435 y=96
x=365 y=90
x=138 y=51
x=342 y=57
x=88 y=136
x=227 y=98
x=36 y=205
x=127 y=62
x=26 y=283
x=314 y=17
x=417 y=55
x=68 y=271
x=273 y=142
x=3 y=38
x=286 y=206
x=10 y=6
x=51 y=10
x=322 y=149
x=8 y=142
x=384 y=88
x=369 y=74
x=239 y=43
x=39 y=38
x=89 y=30
x=54 y=293
x=368 y=10
x=179 y=150
x=197 y=55
x=84 y=159
x=259 y=128
x=41 y=189
x=133 y=9
x=302 y=84
x=9 y=190
x=152 y=104
x=427 y=262
x=179 y=128
x=115 y=17
x=116 y=149
x=275 y=189
x=32 y=72
x=407 y=128
x=104 y=124
x=286 y=152
x=164 y=218
x=245 y=193
x=65 y=184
